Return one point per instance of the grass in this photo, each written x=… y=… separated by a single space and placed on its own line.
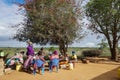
x=12 y=50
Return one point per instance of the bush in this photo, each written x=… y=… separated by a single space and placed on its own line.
x=91 y=53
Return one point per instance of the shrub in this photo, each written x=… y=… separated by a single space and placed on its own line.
x=91 y=53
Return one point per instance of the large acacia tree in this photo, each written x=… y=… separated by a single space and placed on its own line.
x=105 y=19
x=50 y=22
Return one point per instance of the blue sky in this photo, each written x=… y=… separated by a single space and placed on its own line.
x=9 y=15
x=10 y=2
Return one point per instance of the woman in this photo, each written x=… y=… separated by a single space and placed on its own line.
x=38 y=63
x=30 y=54
x=54 y=61
x=17 y=58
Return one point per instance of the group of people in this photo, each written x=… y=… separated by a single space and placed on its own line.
x=34 y=61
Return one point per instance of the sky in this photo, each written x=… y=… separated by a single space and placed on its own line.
x=9 y=16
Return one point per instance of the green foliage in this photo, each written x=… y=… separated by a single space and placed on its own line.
x=50 y=22
x=104 y=14
x=12 y=51
x=51 y=49
x=103 y=45
x=105 y=19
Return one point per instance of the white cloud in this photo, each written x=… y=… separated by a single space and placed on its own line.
x=8 y=17
x=90 y=44
x=12 y=43
x=118 y=45
x=2 y=28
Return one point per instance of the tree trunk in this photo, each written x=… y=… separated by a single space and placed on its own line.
x=113 y=45
x=63 y=48
x=114 y=52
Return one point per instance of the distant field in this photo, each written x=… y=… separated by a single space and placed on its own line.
x=78 y=50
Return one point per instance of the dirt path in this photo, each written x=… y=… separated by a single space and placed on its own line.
x=91 y=71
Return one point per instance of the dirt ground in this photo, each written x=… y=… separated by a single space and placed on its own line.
x=92 y=71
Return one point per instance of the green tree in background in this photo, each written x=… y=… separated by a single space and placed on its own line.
x=51 y=22
x=104 y=16
x=103 y=45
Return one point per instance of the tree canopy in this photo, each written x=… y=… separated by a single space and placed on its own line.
x=104 y=16
x=51 y=22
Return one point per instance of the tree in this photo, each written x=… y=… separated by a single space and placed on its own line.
x=104 y=16
x=103 y=45
x=50 y=22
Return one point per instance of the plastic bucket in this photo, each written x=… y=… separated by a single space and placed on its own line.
x=71 y=66
x=18 y=67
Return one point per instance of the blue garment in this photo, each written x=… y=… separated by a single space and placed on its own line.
x=38 y=62
x=8 y=62
x=55 y=62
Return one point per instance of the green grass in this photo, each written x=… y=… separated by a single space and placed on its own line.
x=78 y=50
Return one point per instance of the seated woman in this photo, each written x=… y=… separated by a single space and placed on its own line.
x=54 y=61
x=74 y=56
x=38 y=63
x=18 y=58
